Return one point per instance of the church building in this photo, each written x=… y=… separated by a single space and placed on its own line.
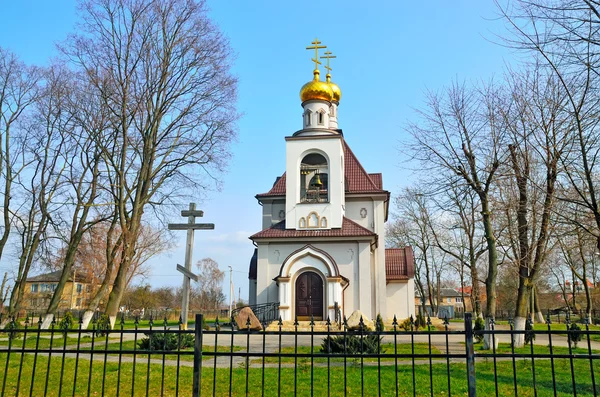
x=322 y=243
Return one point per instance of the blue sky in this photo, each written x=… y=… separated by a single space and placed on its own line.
x=388 y=54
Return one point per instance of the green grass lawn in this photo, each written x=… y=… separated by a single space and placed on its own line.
x=318 y=377
x=142 y=354
x=537 y=349
x=386 y=348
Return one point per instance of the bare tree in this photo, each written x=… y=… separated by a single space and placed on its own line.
x=413 y=228
x=462 y=239
x=537 y=134
x=45 y=144
x=4 y=291
x=563 y=34
x=171 y=99
x=209 y=290
x=460 y=137
x=19 y=88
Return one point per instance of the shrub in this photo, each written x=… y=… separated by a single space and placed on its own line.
x=371 y=344
x=406 y=325
x=66 y=323
x=529 y=334
x=12 y=327
x=479 y=326
x=575 y=333
x=166 y=341
x=420 y=322
x=379 y=326
x=102 y=325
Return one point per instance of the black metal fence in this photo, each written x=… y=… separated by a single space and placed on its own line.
x=398 y=358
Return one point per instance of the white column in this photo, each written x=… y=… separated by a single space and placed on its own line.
x=364 y=279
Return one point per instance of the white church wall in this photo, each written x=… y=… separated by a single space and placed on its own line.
x=267 y=214
x=354 y=208
x=400 y=300
x=354 y=263
x=278 y=211
x=380 y=277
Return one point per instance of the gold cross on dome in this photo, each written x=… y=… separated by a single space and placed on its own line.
x=328 y=55
x=316 y=47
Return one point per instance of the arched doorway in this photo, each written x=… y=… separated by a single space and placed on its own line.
x=309 y=296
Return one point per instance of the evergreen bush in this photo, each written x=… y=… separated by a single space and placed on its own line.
x=479 y=326
x=102 y=325
x=66 y=323
x=12 y=327
x=575 y=334
x=379 y=326
x=166 y=341
x=371 y=344
x=420 y=322
x=529 y=334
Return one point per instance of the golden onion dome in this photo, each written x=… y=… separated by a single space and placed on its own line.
x=316 y=90
x=337 y=93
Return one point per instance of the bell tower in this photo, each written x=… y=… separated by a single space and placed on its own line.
x=315 y=156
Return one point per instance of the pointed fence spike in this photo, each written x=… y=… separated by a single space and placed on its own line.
x=328 y=322
x=312 y=321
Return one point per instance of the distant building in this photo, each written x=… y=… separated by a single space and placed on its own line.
x=39 y=289
x=451 y=303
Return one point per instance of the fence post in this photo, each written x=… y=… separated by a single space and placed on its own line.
x=470 y=355
x=197 y=356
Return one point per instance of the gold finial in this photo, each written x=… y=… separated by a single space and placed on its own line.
x=316 y=47
x=328 y=55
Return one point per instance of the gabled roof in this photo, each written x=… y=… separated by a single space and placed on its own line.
x=349 y=229
x=54 y=277
x=399 y=264
x=357 y=180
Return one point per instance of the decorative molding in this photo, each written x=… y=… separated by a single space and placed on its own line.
x=277 y=254
x=282 y=214
x=363 y=212
x=351 y=252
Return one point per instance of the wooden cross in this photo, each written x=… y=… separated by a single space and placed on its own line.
x=191 y=214
x=316 y=47
x=328 y=55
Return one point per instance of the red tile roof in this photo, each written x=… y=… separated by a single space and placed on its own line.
x=349 y=229
x=356 y=178
x=399 y=263
x=377 y=180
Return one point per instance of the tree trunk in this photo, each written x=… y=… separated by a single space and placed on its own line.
x=475 y=293
x=490 y=281
x=523 y=294
x=539 y=316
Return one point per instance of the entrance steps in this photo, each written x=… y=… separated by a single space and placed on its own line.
x=303 y=326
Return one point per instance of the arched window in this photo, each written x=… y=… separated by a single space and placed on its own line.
x=321 y=117
x=302 y=223
x=314 y=179
x=323 y=222
x=313 y=220
x=307 y=118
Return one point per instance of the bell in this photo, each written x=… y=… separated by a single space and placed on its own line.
x=317 y=181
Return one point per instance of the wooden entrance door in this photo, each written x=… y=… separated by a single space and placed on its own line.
x=309 y=296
